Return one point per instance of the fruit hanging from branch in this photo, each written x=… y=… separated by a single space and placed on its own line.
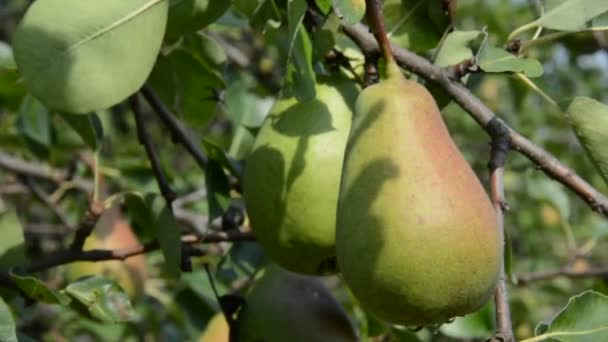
x=293 y=173
x=417 y=239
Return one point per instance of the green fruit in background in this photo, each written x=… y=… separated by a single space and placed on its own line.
x=113 y=232
x=217 y=330
x=417 y=239
x=284 y=306
x=292 y=177
x=187 y=16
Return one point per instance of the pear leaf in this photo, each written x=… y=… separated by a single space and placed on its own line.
x=571 y=15
x=493 y=59
x=585 y=318
x=589 y=118
x=81 y=56
x=8 y=331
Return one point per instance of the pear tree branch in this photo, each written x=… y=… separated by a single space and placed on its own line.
x=482 y=114
x=68 y=256
x=500 y=148
x=146 y=141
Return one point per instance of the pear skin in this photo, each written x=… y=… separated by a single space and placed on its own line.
x=417 y=237
x=284 y=306
x=113 y=232
x=292 y=177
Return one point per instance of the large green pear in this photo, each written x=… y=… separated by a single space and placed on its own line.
x=292 y=177
x=417 y=238
x=284 y=306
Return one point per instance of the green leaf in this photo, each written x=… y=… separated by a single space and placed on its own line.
x=324 y=38
x=167 y=233
x=584 y=319
x=87 y=126
x=409 y=24
x=324 y=5
x=218 y=189
x=351 y=11
x=479 y=324
x=37 y=290
x=493 y=59
x=8 y=331
x=300 y=74
x=34 y=121
x=455 y=48
x=103 y=298
x=571 y=15
x=7 y=61
x=81 y=56
x=187 y=16
x=589 y=118
x=12 y=248
x=216 y=153
x=189 y=78
x=544 y=189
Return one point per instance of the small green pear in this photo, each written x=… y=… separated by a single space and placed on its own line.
x=417 y=237
x=293 y=174
x=113 y=232
x=284 y=306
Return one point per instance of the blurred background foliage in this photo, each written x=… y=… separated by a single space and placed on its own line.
x=221 y=82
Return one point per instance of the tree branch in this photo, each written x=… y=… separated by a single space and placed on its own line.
x=69 y=256
x=482 y=114
x=568 y=272
x=87 y=225
x=176 y=128
x=500 y=148
x=41 y=171
x=146 y=141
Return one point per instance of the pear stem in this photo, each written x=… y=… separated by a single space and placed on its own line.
x=376 y=24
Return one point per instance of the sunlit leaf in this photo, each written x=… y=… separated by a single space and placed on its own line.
x=12 y=248
x=493 y=59
x=8 y=331
x=81 y=56
x=352 y=11
x=37 y=290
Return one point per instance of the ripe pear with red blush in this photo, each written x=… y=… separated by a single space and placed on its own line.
x=417 y=238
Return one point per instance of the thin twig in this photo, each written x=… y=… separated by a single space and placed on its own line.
x=482 y=114
x=40 y=171
x=46 y=199
x=146 y=141
x=87 y=225
x=568 y=272
x=69 y=256
x=500 y=148
x=176 y=127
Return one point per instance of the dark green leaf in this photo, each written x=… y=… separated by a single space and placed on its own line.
x=324 y=39
x=87 y=126
x=187 y=16
x=167 y=233
x=216 y=153
x=300 y=74
x=218 y=189
x=409 y=24
x=34 y=121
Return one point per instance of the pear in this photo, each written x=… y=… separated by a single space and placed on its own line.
x=284 y=306
x=417 y=238
x=217 y=330
x=292 y=177
x=112 y=231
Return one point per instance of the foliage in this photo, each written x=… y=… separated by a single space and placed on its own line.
x=68 y=137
